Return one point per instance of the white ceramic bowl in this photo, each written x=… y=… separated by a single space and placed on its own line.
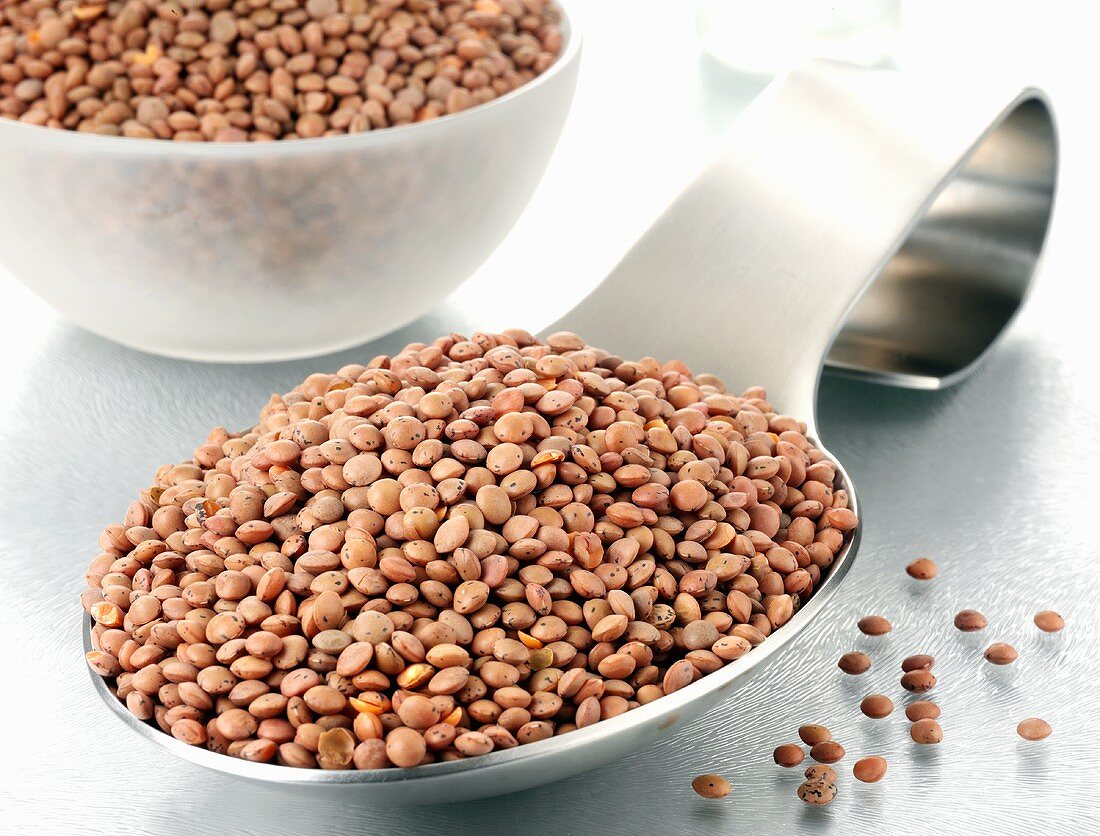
x=251 y=252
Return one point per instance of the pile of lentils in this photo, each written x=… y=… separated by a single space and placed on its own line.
x=471 y=545
x=239 y=70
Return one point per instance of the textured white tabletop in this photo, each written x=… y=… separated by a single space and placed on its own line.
x=994 y=479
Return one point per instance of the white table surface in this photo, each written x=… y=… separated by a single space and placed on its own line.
x=994 y=479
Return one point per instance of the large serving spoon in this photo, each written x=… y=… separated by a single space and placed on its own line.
x=887 y=226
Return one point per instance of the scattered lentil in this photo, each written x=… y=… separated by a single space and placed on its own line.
x=1049 y=621
x=1033 y=729
x=817 y=792
x=828 y=751
x=874 y=625
x=922 y=710
x=812 y=733
x=917 y=662
x=877 y=706
x=922 y=569
x=854 y=663
x=918 y=681
x=711 y=786
x=869 y=770
x=926 y=731
x=789 y=755
x=381 y=556
x=1000 y=653
x=970 y=621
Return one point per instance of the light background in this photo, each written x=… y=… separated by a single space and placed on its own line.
x=995 y=479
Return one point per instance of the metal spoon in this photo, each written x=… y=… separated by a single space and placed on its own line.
x=885 y=226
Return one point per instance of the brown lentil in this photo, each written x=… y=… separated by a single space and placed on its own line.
x=926 y=731
x=1049 y=621
x=918 y=681
x=811 y=734
x=711 y=786
x=854 y=663
x=828 y=751
x=922 y=569
x=922 y=710
x=1033 y=729
x=917 y=662
x=789 y=755
x=970 y=621
x=874 y=625
x=877 y=706
x=231 y=72
x=869 y=770
x=463 y=547
x=1000 y=653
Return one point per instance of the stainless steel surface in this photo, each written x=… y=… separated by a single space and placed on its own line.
x=991 y=478
x=692 y=248
x=918 y=206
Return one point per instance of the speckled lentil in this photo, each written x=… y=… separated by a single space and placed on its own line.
x=817 y=792
x=926 y=731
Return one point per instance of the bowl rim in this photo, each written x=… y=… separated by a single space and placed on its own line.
x=96 y=143
x=666 y=710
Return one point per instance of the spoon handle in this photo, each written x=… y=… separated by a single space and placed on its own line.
x=887 y=224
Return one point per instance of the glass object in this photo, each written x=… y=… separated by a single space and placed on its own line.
x=769 y=36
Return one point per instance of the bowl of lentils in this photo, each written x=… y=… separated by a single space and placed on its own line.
x=193 y=175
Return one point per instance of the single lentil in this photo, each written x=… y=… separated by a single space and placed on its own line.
x=969 y=621
x=1049 y=621
x=877 y=706
x=917 y=662
x=926 y=731
x=922 y=569
x=1000 y=653
x=918 y=681
x=854 y=663
x=874 y=625
x=817 y=792
x=812 y=733
x=711 y=786
x=788 y=755
x=828 y=751
x=869 y=770
x=1033 y=729
x=922 y=710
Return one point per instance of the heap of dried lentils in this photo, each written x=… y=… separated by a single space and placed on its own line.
x=471 y=545
x=238 y=70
